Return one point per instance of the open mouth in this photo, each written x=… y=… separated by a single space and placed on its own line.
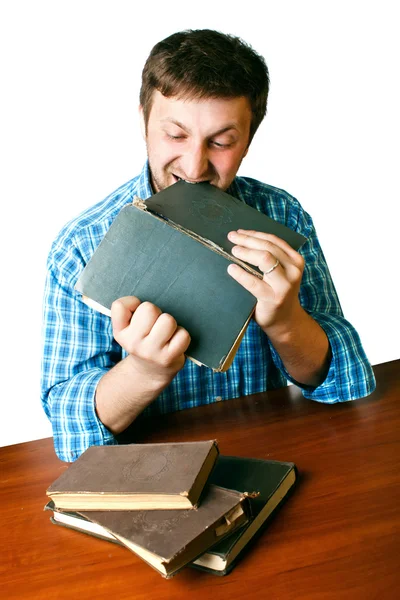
x=176 y=179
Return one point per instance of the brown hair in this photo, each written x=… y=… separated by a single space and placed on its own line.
x=203 y=63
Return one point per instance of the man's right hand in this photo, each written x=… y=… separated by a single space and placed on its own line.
x=152 y=338
x=155 y=346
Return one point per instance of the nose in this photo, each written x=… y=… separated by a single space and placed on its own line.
x=195 y=163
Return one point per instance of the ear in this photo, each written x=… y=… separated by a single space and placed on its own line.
x=142 y=123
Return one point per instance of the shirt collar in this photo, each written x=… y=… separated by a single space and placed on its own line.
x=144 y=189
x=235 y=191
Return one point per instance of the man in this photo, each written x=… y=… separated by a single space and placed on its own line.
x=202 y=99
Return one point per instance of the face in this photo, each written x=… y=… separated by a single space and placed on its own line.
x=196 y=140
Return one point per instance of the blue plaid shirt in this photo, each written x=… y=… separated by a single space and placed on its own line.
x=79 y=346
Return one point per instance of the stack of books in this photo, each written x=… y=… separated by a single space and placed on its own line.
x=172 y=504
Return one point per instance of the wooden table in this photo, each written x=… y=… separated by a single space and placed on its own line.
x=336 y=537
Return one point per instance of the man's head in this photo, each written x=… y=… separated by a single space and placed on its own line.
x=203 y=63
x=203 y=96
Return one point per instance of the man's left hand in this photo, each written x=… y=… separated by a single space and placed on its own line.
x=277 y=292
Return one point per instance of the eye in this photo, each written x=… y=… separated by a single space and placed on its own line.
x=220 y=145
x=175 y=137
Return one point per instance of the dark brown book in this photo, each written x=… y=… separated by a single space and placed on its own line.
x=172 y=250
x=272 y=480
x=136 y=477
x=169 y=539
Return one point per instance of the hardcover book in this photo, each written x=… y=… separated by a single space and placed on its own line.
x=170 y=539
x=172 y=250
x=136 y=477
x=272 y=482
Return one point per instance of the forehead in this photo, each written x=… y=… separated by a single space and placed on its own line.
x=201 y=111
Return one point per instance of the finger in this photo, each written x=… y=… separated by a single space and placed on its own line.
x=144 y=319
x=179 y=342
x=259 y=243
x=162 y=331
x=263 y=259
x=251 y=283
x=122 y=311
x=260 y=240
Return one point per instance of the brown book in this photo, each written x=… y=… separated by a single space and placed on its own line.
x=170 y=539
x=136 y=477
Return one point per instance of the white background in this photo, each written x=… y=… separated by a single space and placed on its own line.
x=70 y=77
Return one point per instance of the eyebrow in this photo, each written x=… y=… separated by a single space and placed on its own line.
x=227 y=127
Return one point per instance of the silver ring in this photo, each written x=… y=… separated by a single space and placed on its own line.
x=272 y=268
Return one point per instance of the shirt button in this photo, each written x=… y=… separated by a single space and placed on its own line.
x=218 y=398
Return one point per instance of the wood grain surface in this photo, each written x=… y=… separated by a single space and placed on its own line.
x=337 y=536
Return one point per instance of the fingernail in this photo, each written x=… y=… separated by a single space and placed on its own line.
x=232 y=269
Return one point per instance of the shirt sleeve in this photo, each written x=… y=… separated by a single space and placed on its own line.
x=78 y=349
x=350 y=375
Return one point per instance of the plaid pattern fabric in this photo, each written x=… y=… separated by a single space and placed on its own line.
x=78 y=345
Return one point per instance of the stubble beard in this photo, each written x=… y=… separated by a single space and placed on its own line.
x=159 y=178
